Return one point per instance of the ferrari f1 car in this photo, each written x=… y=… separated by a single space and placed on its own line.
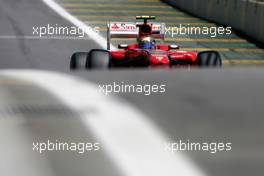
x=145 y=53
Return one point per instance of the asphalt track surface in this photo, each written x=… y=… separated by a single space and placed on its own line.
x=199 y=105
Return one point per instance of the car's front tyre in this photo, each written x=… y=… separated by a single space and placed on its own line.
x=209 y=59
x=78 y=60
x=98 y=59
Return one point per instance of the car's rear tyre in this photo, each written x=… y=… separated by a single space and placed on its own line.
x=78 y=60
x=209 y=59
x=98 y=59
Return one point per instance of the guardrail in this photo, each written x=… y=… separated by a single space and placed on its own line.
x=246 y=16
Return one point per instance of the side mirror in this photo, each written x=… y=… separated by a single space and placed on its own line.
x=122 y=46
x=174 y=47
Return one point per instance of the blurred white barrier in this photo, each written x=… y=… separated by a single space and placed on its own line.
x=132 y=141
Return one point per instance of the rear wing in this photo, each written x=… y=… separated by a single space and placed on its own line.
x=130 y=30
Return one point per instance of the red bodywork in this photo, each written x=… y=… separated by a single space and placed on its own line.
x=160 y=56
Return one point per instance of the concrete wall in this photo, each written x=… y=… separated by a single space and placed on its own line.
x=243 y=15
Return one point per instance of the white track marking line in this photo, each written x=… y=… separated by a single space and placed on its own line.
x=28 y=37
x=63 y=13
x=131 y=140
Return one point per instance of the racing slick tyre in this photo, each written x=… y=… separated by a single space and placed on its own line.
x=98 y=59
x=209 y=59
x=78 y=60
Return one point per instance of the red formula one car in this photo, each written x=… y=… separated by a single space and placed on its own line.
x=145 y=53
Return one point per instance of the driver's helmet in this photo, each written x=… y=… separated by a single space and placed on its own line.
x=146 y=42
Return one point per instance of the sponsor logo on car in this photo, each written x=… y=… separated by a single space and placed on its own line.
x=131 y=26
x=156 y=27
x=114 y=26
x=123 y=26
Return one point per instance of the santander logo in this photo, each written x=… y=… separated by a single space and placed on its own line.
x=114 y=26
x=123 y=26
x=130 y=26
